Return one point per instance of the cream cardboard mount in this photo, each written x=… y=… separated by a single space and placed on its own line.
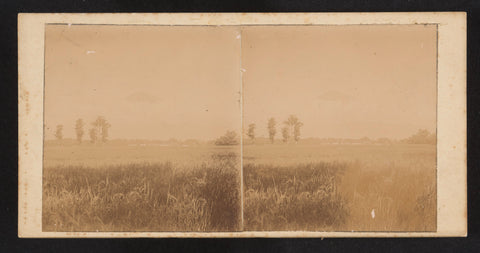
x=451 y=176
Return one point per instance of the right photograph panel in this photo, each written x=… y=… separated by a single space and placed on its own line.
x=339 y=127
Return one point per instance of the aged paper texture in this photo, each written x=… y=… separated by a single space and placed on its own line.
x=242 y=125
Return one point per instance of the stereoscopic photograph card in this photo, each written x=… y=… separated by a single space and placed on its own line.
x=242 y=125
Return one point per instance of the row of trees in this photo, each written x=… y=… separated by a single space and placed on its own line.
x=98 y=131
x=290 y=130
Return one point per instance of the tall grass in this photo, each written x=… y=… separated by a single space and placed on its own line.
x=378 y=187
x=401 y=198
x=329 y=196
x=286 y=187
x=303 y=197
x=144 y=197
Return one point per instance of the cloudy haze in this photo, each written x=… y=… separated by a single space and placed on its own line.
x=341 y=81
x=161 y=82
x=150 y=82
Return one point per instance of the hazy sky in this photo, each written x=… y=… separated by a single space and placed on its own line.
x=160 y=82
x=341 y=81
x=152 y=82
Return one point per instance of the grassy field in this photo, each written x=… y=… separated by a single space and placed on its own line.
x=90 y=155
x=141 y=188
x=312 y=187
x=340 y=187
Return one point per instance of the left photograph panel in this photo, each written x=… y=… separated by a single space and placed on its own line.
x=142 y=128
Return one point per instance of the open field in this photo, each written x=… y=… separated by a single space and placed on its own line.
x=108 y=154
x=141 y=188
x=310 y=187
x=340 y=187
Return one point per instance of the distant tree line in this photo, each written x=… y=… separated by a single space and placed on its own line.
x=97 y=132
x=423 y=136
x=290 y=131
x=292 y=126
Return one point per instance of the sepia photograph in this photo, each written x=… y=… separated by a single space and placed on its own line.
x=141 y=129
x=340 y=128
x=242 y=125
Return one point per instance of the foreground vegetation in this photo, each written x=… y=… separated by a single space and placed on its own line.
x=144 y=197
x=340 y=188
x=393 y=198
x=310 y=187
x=302 y=197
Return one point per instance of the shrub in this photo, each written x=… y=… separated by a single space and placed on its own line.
x=230 y=138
